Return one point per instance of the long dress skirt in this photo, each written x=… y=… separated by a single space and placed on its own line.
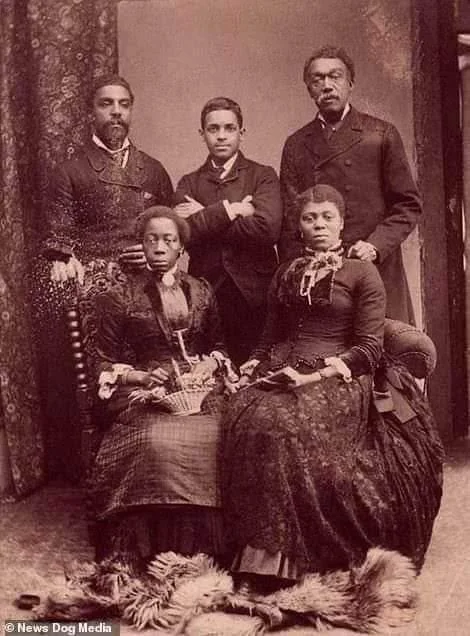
x=155 y=487
x=315 y=476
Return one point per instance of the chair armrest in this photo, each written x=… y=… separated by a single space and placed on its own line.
x=410 y=346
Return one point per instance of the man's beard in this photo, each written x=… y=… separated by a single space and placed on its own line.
x=113 y=133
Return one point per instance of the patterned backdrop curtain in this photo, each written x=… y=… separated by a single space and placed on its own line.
x=50 y=52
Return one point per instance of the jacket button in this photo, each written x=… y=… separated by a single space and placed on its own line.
x=348 y=188
x=348 y=162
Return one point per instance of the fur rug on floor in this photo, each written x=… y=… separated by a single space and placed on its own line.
x=372 y=598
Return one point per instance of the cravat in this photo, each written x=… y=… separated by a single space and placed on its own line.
x=217 y=171
x=119 y=156
x=329 y=130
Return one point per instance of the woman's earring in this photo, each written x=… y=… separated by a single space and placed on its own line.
x=181 y=251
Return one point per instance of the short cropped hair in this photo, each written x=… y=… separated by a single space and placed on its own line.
x=221 y=103
x=161 y=212
x=318 y=194
x=329 y=52
x=110 y=80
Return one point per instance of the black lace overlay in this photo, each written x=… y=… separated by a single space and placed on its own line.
x=316 y=474
x=342 y=316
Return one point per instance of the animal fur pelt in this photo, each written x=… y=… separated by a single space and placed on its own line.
x=372 y=598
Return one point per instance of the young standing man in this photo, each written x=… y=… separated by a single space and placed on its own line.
x=233 y=207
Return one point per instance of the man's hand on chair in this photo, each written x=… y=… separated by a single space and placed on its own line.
x=72 y=270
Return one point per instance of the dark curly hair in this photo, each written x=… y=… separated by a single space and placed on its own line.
x=161 y=212
x=110 y=80
x=329 y=52
x=221 y=103
x=318 y=194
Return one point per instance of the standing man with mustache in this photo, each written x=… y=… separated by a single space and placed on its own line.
x=95 y=198
x=363 y=157
x=96 y=195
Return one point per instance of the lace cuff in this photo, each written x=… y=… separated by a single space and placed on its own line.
x=340 y=366
x=108 y=380
x=359 y=360
x=224 y=363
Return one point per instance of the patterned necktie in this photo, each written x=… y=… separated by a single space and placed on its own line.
x=329 y=130
x=119 y=156
x=217 y=171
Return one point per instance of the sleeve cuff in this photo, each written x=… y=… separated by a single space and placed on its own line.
x=56 y=250
x=228 y=209
x=358 y=360
x=108 y=380
x=224 y=363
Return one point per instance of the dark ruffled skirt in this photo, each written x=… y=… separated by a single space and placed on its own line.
x=134 y=537
x=315 y=476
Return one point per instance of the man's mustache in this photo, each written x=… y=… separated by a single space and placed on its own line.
x=113 y=124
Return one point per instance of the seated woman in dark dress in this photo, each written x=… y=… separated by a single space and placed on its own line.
x=314 y=471
x=154 y=485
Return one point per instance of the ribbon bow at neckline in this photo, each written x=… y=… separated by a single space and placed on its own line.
x=318 y=265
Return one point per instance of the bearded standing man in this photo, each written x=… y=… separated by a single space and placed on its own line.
x=94 y=200
x=96 y=196
x=363 y=157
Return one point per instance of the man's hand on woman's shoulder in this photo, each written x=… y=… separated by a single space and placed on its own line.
x=363 y=251
x=133 y=256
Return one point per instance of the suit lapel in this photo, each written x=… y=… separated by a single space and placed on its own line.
x=135 y=168
x=322 y=150
x=108 y=171
x=240 y=163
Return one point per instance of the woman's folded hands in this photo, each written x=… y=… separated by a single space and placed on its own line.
x=290 y=377
x=155 y=377
x=201 y=372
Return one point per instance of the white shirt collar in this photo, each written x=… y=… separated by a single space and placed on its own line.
x=125 y=146
x=227 y=165
x=346 y=110
x=126 y=143
x=168 y=278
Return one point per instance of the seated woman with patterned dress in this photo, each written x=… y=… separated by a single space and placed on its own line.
x=315 y=470
x=154 y=483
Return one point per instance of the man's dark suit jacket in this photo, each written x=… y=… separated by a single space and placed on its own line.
x=365 y=160
x=244 y=248
x=94 y=202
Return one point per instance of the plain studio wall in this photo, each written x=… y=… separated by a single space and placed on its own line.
x=177 y=54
